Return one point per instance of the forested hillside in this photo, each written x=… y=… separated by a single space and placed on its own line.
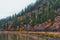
x=44 y=15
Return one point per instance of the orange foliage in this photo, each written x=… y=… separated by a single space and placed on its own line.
x=22 y=29
x=55 y=23
x=36 y=26
x=47 y=24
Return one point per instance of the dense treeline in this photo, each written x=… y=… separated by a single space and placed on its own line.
x=46 y=12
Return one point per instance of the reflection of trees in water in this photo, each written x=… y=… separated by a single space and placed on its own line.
x=14 y=37
x=3 y=37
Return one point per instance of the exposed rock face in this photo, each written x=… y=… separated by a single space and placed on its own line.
x=40 y=28
x=9 y=25
x=57 y=18
x=54 y=27
x=58 y=11
x=59 y=27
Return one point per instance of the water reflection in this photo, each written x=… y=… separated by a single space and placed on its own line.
x=8 y=37
x=3 y=37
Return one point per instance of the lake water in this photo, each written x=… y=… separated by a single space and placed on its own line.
x=26 y=37
x=8 y=37
x=3 y=37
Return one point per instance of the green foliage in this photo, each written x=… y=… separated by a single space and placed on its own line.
x=33 y=18
x=48 y=12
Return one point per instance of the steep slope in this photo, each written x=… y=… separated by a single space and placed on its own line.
x=44 y=15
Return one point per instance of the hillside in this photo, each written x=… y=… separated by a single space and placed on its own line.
x=44 y=15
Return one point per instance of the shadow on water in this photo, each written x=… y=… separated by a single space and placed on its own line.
x=8 y=37
x=3 y=37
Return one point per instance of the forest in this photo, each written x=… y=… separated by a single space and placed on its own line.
x=43 y=15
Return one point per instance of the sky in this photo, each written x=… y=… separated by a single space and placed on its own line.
x=10 y=7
